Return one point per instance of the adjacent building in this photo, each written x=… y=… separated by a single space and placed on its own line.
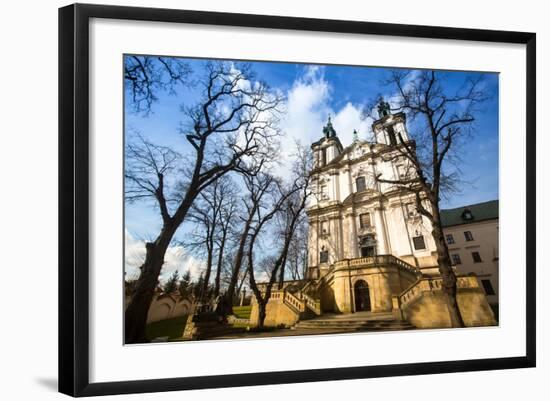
x=471 y=233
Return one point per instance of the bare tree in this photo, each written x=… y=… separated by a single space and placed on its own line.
x=228 y=221
x=231 y=127
x=297 y=251
x=145 y=76
x=289 y=204
x=212 y=214
x=258 y=186
x=294 y=213
x=440 y=122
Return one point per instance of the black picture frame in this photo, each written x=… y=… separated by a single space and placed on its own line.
x=74 y=198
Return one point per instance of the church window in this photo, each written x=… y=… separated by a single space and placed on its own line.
x=456 y=259
x=476 y=257
x=360 y=184
x=323 y=256
x=364 y=220
x=468 y=236
x=419 y=242
x=488 y=287
x=450 y=239
x=323 y=156
x=391 y=135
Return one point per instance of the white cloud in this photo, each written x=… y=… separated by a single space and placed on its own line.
x=176 y=258
x=348 y=119
x=307 y=111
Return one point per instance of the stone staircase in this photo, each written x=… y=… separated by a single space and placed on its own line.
x=360 y=321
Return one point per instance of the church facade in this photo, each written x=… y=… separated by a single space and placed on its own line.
x=369 y=250
x=354 y=218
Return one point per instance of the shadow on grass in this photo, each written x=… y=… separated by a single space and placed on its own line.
x=172 y=328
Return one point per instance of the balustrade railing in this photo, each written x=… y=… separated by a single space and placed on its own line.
x=294 y=302
x=312 y=304
x=434 y=284
x=378 y=260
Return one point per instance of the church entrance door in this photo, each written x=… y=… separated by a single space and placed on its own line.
x=362 y=296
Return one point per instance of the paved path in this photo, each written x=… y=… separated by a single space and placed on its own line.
x=283 y=333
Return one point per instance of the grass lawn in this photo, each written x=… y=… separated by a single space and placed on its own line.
x=242 y=312
x=171 y=328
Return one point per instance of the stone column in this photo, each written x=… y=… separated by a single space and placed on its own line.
x=353 y=251
x=382 y=236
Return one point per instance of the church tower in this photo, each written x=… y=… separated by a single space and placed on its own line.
x=327 y=148
x=390 y=128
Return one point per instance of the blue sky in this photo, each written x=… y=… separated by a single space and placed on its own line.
x=313 y=92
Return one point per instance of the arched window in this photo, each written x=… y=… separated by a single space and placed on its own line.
x=391 y=135
x=360 y=184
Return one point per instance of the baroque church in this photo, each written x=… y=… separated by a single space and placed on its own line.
x=370 y=253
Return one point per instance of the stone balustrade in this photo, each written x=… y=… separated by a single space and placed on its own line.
x=374 y=261
x=433 y=284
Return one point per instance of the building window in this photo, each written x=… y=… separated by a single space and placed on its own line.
x=419 y=242
x=456 y=259
x=323 y=156
x=476 y=257
x=364 y=220
x=450 y=239
x=391 y=135
x=468 y=236
x=488 y=287
x=360 y=184
x=324 y=228
x=323 y=256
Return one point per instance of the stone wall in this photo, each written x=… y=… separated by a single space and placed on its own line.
x=383 y=282
x=428 y=308
x=277 y=313
x=166 y=307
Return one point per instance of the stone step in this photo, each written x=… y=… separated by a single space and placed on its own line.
x=347 y=323
x=305 y=324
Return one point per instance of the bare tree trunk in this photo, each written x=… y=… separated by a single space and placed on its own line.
x=204 y=291
x=219 y=264
x=239 y=289
x=239 y=260
x=445 y=268
x=282 y=273
x=135 y=317
x=261 y=313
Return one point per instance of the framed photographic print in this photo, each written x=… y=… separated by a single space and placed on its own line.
x=278 y=199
